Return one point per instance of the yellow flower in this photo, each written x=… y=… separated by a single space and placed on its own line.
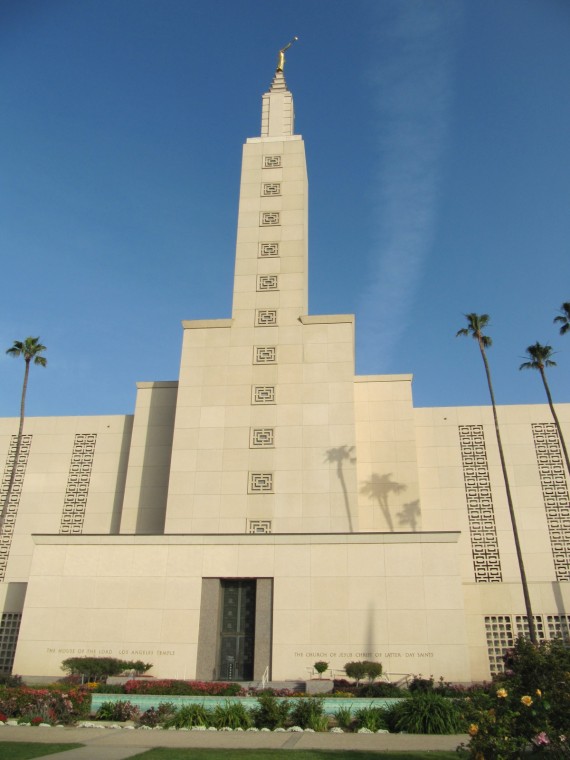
x=538 y=693
x=526 y=701
x=473 y=729
x=502 y=693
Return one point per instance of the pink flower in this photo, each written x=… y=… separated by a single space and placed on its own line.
x=541 y=739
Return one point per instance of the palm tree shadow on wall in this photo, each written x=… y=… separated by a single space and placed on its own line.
x=337 y=456
x=409 y=514
x=379 y=488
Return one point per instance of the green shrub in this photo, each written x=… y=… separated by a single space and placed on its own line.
x=372 y=718
x=188 y=716
x=419 y=685
x=373 y=669
x=9 y=680
x=232 y=714
x=527 y=706
x=380 y=689
x=310 y=713
x=108 y=688
x=358 y=670
x=270 y=712
x=321 y=666
x=343 y=717
x=120 y=711
x=425 y=713
x=100 y=668
x=156 y=716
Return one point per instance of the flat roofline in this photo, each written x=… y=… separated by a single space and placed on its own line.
x=158 y=384
x=383 y=378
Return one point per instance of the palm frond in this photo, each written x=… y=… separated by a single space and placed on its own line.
x=538 y=357
x=564 y=318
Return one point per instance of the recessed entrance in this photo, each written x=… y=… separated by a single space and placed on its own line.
x=237 y=634
x=234 y=639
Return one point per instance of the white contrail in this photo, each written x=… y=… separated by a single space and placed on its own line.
x=412 y=91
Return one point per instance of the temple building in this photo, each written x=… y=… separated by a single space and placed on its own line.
x=269 y=508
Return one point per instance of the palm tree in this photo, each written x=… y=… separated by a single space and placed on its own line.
x=564 y=318
x=539 y=357
x=31 y=349
x=476 y=324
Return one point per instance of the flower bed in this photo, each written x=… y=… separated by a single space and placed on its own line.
x=189 y=688
x=53 y=704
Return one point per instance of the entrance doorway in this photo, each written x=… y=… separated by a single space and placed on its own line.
x=237 y=634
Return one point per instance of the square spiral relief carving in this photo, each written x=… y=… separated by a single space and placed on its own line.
x=12 y=511
x=270 y=218
x=271 y=188
x=555 y=494
x=260 y=482
x=265 y=355
x=271 y=162
x=267 y=282
x=78 y=479
x=266 y=317
x=263 y=394
x=480 y=511
x=262 y=438
x=259 y=526
x=267 y=250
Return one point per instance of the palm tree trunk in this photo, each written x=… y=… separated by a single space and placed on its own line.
x=18 y=448
x=555 y=417
x=526 y=594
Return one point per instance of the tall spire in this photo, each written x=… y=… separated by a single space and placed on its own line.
x=277 y=112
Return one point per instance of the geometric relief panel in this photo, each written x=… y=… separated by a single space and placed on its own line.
x=259 y=526
x=12 y=512
x=263 y=394
x=554 y=494
x=480 y=512
x=271 y=188
x=265 y=355
x=267 y=282
x=78 y=479
x=9 y=630
x=262 y=438
x=260 y=482
x=269 y=219
x=268 y=250
x=264 y=317
x=271 y=162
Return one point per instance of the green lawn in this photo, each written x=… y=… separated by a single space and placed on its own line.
x=162 y=753
x=29 y=750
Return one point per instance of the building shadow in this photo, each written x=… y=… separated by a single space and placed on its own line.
x=339 y=455
x=379 y=488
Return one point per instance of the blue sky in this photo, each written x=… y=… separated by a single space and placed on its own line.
x=439 y=169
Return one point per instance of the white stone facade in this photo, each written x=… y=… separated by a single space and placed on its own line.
x=332 y=519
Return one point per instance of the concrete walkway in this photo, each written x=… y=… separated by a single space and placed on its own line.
x=116 y=744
